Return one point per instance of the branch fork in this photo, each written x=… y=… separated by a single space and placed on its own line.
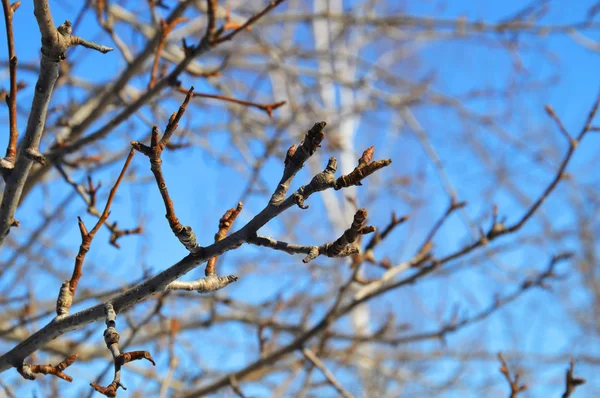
x=185 y=234
x=111 y=338
x=29 y=371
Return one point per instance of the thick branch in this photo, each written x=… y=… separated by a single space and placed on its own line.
x=54 y=44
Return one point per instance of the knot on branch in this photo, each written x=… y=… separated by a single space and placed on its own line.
x=207 y=284
x=56 y=41
x=320 y=182
x=344 y=245
x=65 y=299
x=295 y=158
x=7 y=164
x=351 y=235
x=187 y=237
x=225 y=224
x=35 y=155
x=111 y=338
x=213 y=283
x=66 y=28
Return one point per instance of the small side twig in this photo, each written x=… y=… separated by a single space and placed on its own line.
x=29 y=371
x=377 y=238
x=59 y=38
x=268 y=108
x=88 y=194
x=247 y=24
x=380 y=236
x=571 y=382
x=295 y=158
x=514 y=382
x=365 y=168
x=214 y=72
x=314 y=359
x=561 y=126
x=68 y=288
x=185 y=234
x=326 y=179
x=235 y=386
x=165 y=29
x=342 y=247
x=11 y=99
x=573 y=144
x=452 y=207
x=225 y=224
x=111 y=338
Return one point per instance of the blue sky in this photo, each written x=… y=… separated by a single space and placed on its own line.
x=202 y=188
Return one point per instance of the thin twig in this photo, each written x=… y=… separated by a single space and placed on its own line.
x=165 y=29
x=561 y=126
x=342 y=247
x=68 y=288
x=515 y=385
x=164 y=82
x=452 y=207
x=89 y=196
x=185 y=234
x=225 y=224
x=268 y=108
x=308 y=354
x=559 y=175
x=249 y=22
x=11 y=99
x=211 y=11
x=571 y=382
